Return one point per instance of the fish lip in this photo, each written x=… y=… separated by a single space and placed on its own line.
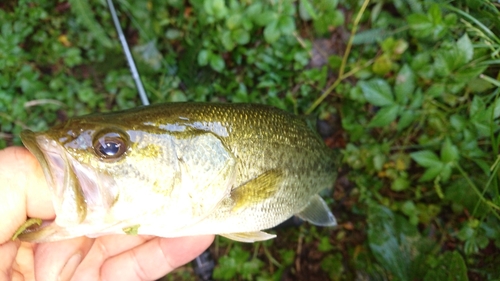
x=31 y=141
x=61 y=179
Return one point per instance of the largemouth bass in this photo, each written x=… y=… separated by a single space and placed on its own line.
x=182 y=169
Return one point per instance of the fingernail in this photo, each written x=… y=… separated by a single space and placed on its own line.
x=70 y=267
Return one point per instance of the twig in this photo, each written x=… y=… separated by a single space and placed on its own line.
x=42 y=102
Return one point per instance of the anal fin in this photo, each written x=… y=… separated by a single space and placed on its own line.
x=317 y=212
x=249 y=237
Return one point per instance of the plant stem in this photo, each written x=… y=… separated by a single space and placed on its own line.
x=341 y=75
x=476 y=190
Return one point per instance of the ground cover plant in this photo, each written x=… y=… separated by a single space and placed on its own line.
x=407 y=89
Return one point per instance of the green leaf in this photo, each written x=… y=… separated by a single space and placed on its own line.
x=444 y=61
x=400 y=184
x=382 y=65
x=306 y=10
x=451 y=267
x=421 y=24
x=217 y=62
x=406 y=118
x=385 y=116
x=383 y=241
x=173 y=33
x=449 y=152
x=435 y=14
x=465 y=48
x=377 y=92
x=410 y=209
x=432 y=172
x=418 y=99
x=325 y=245
x=216 y=8
x=477 y=106
x=405 y=85
x=227 y=40
x=82 y=10
x=266 y=18
x=234 y=21
x=496 y=108
x=286 y=25
x=335 y=62
x=337 y=18
x=203 y=57
x=241 y=36
x=226 y=268
x=271 y=32
x=435 y=90
x=446 y=172
x=420 y=60
x=426 y=158
x=458 y=122
x=149 y=54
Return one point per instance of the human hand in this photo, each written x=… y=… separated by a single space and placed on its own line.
x=24 y=193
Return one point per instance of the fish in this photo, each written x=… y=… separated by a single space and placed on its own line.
x=182 y=169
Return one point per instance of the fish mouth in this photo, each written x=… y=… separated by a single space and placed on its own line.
x=58 y=173
x=50 y=157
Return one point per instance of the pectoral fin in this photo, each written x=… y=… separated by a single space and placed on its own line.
x=249 y=237
x=317 y=212
x=256 y=190
x=27 y=226
x=38 y=231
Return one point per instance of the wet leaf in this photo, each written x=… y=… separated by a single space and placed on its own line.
x=449 y=152
x=451 y=267
x=383 y=241
x=385 y=116
x=405 y=85
x=400 y=184
x=286 y=25
x=227 y=40
x=426 y=158
x=203 y=57
x=306 y=10
x=466 y=49
x=271 y=32
x=407 y=117
x=377 y=92
x=241 y=36
x=217 y=62
x=265 y=18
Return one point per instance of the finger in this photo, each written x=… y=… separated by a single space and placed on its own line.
x=24 y=261
x=155 y=258
x=8 y=253
x=102 y=249
x=24 y=191
x=59 y=260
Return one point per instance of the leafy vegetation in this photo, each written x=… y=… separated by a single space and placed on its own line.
x=409 y=90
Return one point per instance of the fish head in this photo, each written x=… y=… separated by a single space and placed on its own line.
x=109 y=174
x=103 y=169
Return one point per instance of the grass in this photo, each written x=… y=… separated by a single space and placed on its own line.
x=408 y=90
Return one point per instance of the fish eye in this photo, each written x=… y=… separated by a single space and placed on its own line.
x=110 y=145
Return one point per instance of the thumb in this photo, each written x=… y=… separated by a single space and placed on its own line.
x=24 y=191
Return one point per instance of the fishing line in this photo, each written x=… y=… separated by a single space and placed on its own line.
x=204 y=264
x=128 y=55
